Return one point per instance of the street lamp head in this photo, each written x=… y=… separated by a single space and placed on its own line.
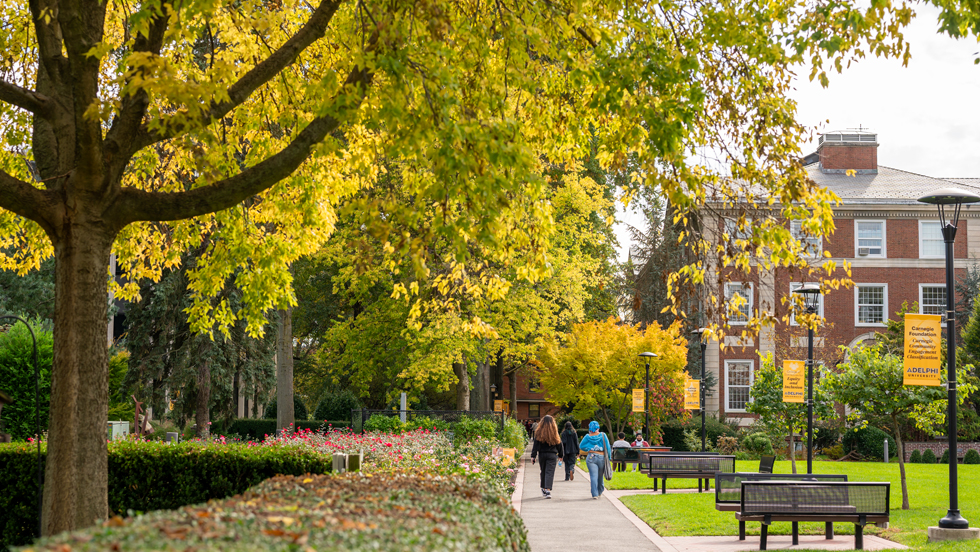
x=649 y=355
x=699 y=331
x=949 y=196
x=493 y=387
x=811 y=295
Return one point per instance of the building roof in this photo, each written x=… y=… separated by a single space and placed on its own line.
x=889 y=183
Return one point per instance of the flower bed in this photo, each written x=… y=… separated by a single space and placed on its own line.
x=355 y=511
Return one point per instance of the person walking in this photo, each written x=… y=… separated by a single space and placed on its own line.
x=569 y=441
x=595 y=447
x=547 y=443
x=620 y=443
x=638 y=442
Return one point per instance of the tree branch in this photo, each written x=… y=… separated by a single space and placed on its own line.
x=134 y=205
x=25 y=200
x=312 y=31
x=38 y=104
x=119 y=140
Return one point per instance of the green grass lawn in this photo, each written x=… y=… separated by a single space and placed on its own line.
x=671 y=514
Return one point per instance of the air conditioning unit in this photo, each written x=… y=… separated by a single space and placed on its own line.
x=864 y=251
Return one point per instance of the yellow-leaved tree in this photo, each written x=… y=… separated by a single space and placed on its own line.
x=234 y=126
x=594 y=369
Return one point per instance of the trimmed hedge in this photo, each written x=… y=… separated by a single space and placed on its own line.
x=146 y=476
x=869 y=442
x=972 y=457
x=944 y=459
x=256 y=429
x=300 y=413
x=915 y=457
x=928 y=457
x=398 y=512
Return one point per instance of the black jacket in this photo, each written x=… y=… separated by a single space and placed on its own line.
x=541 y=446
x=569 y=440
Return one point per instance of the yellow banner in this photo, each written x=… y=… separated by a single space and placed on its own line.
x=498 y=406
x=507 y=408
x=923 y=334
x=692 y=394
x=638 y=400
x=794 y=372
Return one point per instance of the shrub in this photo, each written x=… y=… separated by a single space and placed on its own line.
x=146 y=476
x=834 y=452
x=727 y=445
x=928 y=457
x=425 y=422
x=299 y=410
x=869 y=442
x=256 y=429
x=972 y=457
x=758 y=443
x=915 y=457
x=944 y=459
x=673 y=431
x=381 y=513
x=17 y=376
x=384 y=423
x=468 y=429
x=514 y=436
x=337 y=405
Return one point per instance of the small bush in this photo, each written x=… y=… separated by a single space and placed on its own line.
x=972 y=457
x=834 y=452
x=515 y=436
x=928 y=457
x=727 y=445
x=869 y=442
x=384 y=423
x=673 y=431
x=256 y=429
x=337 y=405
x=915 y=457
x=425 y=422
x=17 y=376
x=300 y=413
x=468 y=429
x=381 y=513
x=944 y=459
x=758 y=443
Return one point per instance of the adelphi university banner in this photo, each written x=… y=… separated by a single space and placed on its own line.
x=638 y=397
x=923 y=333
x=793 y=374
x=692 y=394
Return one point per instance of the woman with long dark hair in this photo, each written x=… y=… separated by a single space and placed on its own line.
x=547 y=443
x=569 y=441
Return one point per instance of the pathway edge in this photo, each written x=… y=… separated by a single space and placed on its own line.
x=644 y=528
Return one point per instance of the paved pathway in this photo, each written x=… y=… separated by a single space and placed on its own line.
x=571 y=520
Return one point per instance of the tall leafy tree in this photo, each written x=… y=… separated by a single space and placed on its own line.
x=152 y=124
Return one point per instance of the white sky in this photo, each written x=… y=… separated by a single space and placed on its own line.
x=927 y=115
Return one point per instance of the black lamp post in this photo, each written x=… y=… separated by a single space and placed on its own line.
x=646 y=392
x=493 y=394
x=811 y=298
x=955 y=198
x=704 y=345
x=37 y=414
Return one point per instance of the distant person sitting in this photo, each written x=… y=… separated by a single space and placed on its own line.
x=620 y=442
x=639 y=442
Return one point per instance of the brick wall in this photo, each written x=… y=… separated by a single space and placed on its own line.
x=840 y=157
x=938 y=447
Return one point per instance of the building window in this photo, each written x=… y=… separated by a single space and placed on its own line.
x=812 y=245
x=534 y=410
x=738 y=380
x=870 y=236
x=533 y=384
x=931 y=245
x=872 y=300
x=738 y=296
x=800 y=309
x=932 y=300
x=736 y=233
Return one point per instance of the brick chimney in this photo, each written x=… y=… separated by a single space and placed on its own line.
x=842 y=151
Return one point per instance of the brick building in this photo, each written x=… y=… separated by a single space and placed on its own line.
x=896 y=252
x=531 y=404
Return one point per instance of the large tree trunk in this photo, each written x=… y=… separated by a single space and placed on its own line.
x=202 y=414
x=901 y=462
x=513 y=393
x=285 y=414
x=481 y=387
x=462 y=386
x=76 y=481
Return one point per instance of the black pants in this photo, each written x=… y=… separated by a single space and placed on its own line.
x=548 y=461
x=569 y=460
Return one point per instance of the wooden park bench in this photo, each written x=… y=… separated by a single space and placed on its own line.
x=689 y=465
x=820 y=501
x=728 y=492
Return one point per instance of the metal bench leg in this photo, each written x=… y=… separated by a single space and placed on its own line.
x=858 y=536
x=663 y=486
x=741 y=530
x=707 y=484
x=699 y=484
x=656 y=481
x=796 y=532
x=762 y=538
x=829 y=530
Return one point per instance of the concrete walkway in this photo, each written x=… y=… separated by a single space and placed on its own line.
x=571 y=519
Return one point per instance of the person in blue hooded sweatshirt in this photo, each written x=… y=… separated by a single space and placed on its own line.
x=595 y=446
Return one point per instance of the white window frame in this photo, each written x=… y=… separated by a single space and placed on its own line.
x=857 y=307
x=884 y=239
x=734 y=233
x=794 y=285
x=748 y=306
x=813 y=245
x=922 y=234
x=728 y=387
x=921 y=305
